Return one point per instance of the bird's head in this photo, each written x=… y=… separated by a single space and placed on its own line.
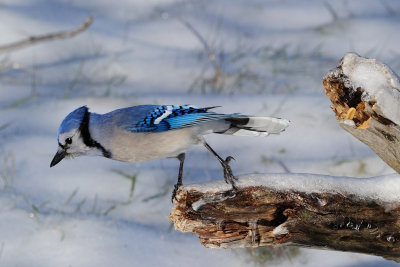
x=70 y=140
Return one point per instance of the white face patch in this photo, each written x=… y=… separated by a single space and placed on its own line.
x=72 y=135
x=73 y=144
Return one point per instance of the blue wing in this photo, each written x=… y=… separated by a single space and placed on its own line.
x=170 y=117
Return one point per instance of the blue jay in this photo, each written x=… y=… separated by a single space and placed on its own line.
x=148 y=132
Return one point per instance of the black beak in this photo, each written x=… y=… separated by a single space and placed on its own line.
x=58 y=157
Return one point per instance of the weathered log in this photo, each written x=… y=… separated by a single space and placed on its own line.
x=365 y=97
x=326 y=212
x=339 y=213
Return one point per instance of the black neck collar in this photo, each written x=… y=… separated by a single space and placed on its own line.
x=87 y=138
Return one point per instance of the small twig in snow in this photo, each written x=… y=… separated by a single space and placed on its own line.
x=332 y=11
x=5 y=125
x=267 y=160
x=390 y=10
x=71 y=196
x=47 y=37
x=210 y=53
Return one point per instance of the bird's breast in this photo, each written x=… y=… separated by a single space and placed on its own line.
x=135 y=147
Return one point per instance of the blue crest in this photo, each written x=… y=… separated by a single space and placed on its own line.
x=73 y=120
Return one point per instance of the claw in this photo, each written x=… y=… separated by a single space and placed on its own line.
x=228 y=174
x=176 y=187
x=226 y=177
x=229 y=158
x=234 y=187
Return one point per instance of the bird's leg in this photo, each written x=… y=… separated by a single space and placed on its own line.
x=228 y=174
x=181 y=158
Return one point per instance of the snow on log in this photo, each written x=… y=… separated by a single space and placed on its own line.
x=340 y=213
x=365 y=95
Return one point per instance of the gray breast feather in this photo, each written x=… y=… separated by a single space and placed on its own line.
x=135 y=147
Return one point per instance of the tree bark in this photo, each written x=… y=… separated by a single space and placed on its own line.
x=258 y=216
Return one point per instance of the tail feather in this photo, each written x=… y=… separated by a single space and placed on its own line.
x=255 y=126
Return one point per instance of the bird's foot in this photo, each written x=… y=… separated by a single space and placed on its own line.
x=176 y=187
x=228 y=174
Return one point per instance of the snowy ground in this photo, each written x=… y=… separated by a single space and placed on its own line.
x=273 y=54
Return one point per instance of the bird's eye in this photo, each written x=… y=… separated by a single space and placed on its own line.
x=68 y=140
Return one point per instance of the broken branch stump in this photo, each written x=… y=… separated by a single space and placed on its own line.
x=339 y=213
x=365 y=96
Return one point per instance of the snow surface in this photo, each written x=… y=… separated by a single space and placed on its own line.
x=379 y=82
x=383 y=189
x=274 y=54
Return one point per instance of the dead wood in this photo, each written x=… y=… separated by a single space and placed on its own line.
x=259 y=216
x=364 y=119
